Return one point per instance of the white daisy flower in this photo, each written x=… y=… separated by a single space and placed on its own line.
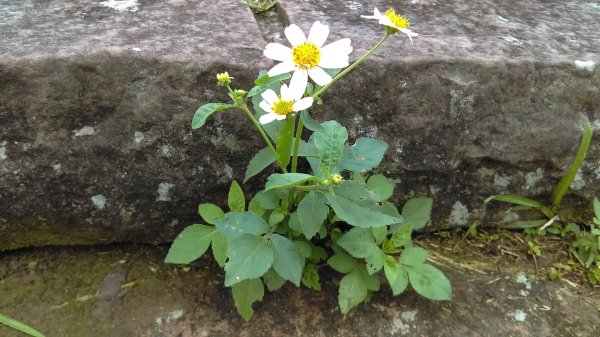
x=278 y=107
x=308 y=57
x=393 y=20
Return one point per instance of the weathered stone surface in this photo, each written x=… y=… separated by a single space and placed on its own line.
x=96 y=103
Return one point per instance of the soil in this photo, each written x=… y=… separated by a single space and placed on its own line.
x=126 y=290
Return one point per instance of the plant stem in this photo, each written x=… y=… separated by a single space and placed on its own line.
x=297 y=144
x=352 y=66
x=262 y=133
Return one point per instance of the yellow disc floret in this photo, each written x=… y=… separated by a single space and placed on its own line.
x=306 y=55
x=397 y=20
x=224 y=78
x=282 y=107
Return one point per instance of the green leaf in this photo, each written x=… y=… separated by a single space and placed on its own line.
x=565 y=182
x=379 y=233
x=255 y=207
x=359 y=242
x=352 y=292
x=284 y=180
x=236 y=199
x=364 y=213
x=211 y=213
x=371 y=280
x=381 y=187
x=276 y=217
x=310 y=123
x=304 y=248
x=312 y=211
x=374 y=262
x=249 y=257
x=219 y=248
x=265 y=80
x=390 y=269
x=523 y=224
x=417 y=211
x=330 y=143
x=401 y=235
x=267 y=200
x=238 y=223
x=597 y=211
x=515 y=199
x=364 y=155
x=259 y=162
x=287 y=262
x=310 y=277
x=273 y=280
x=429 y=282
x=342 y=262
x=13 y=323
x=206 y=111
x=245 y=293
x=413 y=256
x=190 y=244
x=284 y=143
x=397 y=277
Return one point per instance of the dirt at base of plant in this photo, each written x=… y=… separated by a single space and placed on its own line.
x=126 y=290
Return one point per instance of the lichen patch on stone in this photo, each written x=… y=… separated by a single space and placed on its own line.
x=585 y=65
x=3 y=150
x=459 y=215
x=85 y=131
x=163 y=191
x=121 y=5
x=531 y=178
x=520 y=316
x=99 y=201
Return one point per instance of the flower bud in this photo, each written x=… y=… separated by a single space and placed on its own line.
x=224 y=78
x=336 y=179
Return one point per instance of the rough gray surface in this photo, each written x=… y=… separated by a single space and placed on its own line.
x=96 y=104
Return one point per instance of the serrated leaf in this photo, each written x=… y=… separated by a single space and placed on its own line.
x=413 y=256
x=401 y=282
x=268 y=199
x=249 y=257
x=597 y=208
x=381 y=187
x=190 y=244
x=206 y=111
x=374 y=262
x=318 y=254
x=264 y=79
x=19 y=326
x=312 y=212
x=417 y=212
x=210 y=213
x=352 y=291
x=379 y=233
x=287 y=261
x=361 y=213
x=284 y=143
x=401 y=236
x=390 y=269
x=309 y=122
x=273 y=280
x=245 y=294
x=359 y=242
x=255 y=207
x=259 y=162
x=364 y=155
x=429 y=282
x=304 y=248
x=342 y=262
x=371 y=280
x=515 y=199
x=238 y=223
x=310 y=277
x=236 y=199
x=219 y=245
x=330 y=143
x=284 y=180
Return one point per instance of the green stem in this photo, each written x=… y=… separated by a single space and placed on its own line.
x=317 y=93
x=262 y=133
x=297 y=144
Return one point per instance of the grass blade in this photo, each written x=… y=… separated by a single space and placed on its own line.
x=13 y=323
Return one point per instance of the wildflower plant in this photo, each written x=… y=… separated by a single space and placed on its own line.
x=337 y=214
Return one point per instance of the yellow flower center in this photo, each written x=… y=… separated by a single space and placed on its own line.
x=282 y=107
x=396 y=19
x=306 y=55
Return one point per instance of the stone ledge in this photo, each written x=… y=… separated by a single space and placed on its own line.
x=96 y=144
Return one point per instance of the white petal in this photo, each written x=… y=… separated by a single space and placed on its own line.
x=278 y=52
x=268 y=118
x=303 y=104
x=270 y=96
x=333 y=61
x=376 y=15
x=298 y=83
x=384 y=20
x=285 y=93
x=409 y=33
x=295 y=35
x=280 y=117
x=266 y=106
x=282 y=68
x=319 y=76
x=338 y=47
x=318 y=34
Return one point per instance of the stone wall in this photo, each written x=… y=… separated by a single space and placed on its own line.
x=96 y=100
